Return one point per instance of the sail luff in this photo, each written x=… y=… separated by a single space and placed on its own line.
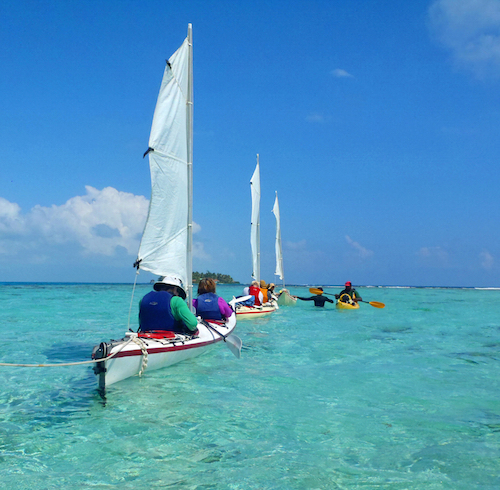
x=279 y=254
x=255 y=222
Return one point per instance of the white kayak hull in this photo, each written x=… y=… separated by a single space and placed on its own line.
x=135 y=355
x=248 y=312
x=286 y=299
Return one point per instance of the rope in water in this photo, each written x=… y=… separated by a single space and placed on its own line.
x=93 y=361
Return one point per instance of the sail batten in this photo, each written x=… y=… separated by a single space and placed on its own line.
x=166 y=244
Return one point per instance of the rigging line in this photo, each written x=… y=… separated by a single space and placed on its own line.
x=132 y=298
x=93 y=361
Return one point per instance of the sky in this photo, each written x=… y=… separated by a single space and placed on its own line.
x=377 y=122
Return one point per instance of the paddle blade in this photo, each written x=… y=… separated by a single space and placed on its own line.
x=234 y=343
x=377 y=304
x=319 y=291
x=241 y=299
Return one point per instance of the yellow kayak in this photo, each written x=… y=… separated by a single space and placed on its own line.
x=351 y=305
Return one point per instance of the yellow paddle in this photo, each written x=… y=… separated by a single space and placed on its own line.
x=376 y=304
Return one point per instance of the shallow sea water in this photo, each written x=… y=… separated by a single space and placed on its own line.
x=405 y=397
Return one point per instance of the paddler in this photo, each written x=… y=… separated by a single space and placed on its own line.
x=263 y=290
x=319 y=299
x=349 y=294
x=254 y=291
x=165 y=308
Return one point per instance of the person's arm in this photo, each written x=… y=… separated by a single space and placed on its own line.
x=357 y=297
x=329 y=300
x=224 y=308
x=305 y=299
x=182 y=313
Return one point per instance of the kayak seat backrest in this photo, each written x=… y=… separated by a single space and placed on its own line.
x=157 y=334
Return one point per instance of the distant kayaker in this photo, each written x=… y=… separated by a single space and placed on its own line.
x=349 y=294
x=270 y=292
x=263 y=290
x=254 y=290
x=319 y=299
x=165 y=308
x=208 y=305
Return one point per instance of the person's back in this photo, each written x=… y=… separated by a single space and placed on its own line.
x=319 y=299
x=254 y=290
x=263 y=290
x=165 y=308
x=155 y=313
x=207 y=306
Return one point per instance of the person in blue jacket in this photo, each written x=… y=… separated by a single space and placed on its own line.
x=165 y=308
x=208 y=305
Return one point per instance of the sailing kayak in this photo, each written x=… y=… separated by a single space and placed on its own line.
x=147 y=351
x=245 y=312
x=286 y=299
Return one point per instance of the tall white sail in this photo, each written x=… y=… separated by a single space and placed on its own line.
x=279 y=254
x=166 y=243
x=255 y=223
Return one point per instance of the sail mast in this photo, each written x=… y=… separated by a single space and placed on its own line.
x=189 y=123
x=255 y=223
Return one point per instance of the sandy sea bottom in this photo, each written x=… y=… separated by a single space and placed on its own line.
x=404 y=397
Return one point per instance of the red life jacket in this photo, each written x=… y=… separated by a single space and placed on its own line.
x=254 y=291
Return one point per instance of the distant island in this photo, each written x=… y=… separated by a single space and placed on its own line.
x=217 y=277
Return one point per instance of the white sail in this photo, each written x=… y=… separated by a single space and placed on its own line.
x=166 y=243
x=279 y=254
x=255 y=223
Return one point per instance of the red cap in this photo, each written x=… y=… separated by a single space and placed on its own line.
x=348 y=283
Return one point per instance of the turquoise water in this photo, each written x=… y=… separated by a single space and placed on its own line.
x=405 y=397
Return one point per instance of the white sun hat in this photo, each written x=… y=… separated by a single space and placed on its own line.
x=171 y=281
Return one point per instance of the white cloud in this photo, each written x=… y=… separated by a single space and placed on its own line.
x=300 y=246
x=196 y=228
x=360 y=250
x=11 y=221
x=433 y=256
x=339 y=73
x=470 y=29
x=101 y=222
x=315 y=117
x=487 y=260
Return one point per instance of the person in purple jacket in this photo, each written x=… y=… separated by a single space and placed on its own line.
x=208 y=305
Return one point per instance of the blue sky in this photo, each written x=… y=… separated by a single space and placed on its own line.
x=376 y=121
